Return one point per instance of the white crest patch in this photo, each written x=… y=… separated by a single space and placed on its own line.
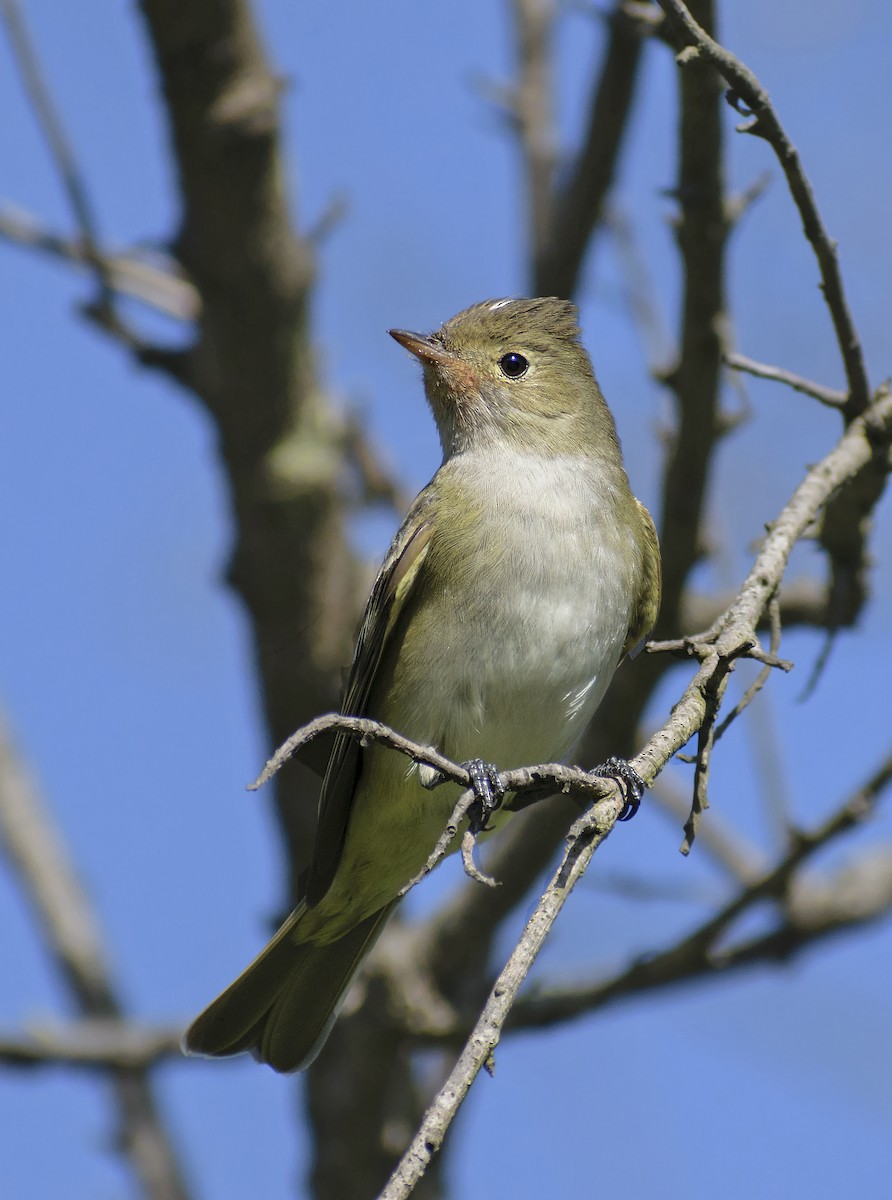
x=499 y=304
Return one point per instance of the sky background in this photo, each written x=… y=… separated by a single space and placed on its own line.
x=124 y=662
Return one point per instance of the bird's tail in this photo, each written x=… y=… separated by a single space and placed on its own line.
x=282 y=1007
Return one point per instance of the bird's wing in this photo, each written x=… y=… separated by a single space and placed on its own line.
x=647 y=603
x=394 y=584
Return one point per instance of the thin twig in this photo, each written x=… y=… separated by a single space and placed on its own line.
x=444 y=841
x=586 y=836
x=365 y=730
x=716 y=683
x=161 y=287
x=742 y=860
x=831 y=397
x=572 y=780
x=771 y=663
x=750 y=98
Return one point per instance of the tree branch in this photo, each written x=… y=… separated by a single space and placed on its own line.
x=586 y=836
x=94 y=1044
x=164 y=289
x=828 y=396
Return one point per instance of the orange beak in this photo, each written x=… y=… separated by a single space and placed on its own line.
x=422 y=346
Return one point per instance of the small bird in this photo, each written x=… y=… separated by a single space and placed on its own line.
x=521 y=576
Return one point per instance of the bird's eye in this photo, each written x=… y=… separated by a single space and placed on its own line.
x=513 y=365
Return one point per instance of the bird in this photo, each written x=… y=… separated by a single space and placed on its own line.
x=522 y=575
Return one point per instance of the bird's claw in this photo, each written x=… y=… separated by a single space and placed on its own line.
x=629 y=780
x=488 y=793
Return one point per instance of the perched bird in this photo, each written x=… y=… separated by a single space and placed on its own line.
x=521 y=576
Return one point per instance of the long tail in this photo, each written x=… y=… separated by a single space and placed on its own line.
x=282 y=1006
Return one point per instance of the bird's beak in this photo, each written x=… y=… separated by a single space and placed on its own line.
x=422 y=346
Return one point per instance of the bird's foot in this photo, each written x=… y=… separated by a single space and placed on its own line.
x=488 y=793
x=629 y=780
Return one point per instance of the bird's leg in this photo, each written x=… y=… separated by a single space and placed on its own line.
x=629 y=780
x=488 y=793
x=486 y=784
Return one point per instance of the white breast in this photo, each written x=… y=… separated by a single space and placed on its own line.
x=541 y=633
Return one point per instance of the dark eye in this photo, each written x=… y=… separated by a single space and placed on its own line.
x=513 y=365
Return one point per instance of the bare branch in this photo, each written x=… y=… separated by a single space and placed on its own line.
x=92 y=1044
x=253 y=368
x=587 y=835
x=714 y=690
x=750 y=98
x=867 y=438
x=829 y=396
x=571 y=780
x=163 y=288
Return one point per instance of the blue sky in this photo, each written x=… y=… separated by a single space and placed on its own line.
x=125 y=668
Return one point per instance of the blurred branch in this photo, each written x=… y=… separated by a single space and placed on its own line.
x=164 y=289
x=252 y=367
x=749 y=98
x=93 y=1044
x=62 y=155
x=804 y=603
x=576 y=205
x=377 y=482
x=701 y=230
x=73 y=938
x=282 y=444
x=641 y=293
x=533 y=111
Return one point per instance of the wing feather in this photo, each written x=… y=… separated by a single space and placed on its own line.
x=396 y=579
x=647 y=604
